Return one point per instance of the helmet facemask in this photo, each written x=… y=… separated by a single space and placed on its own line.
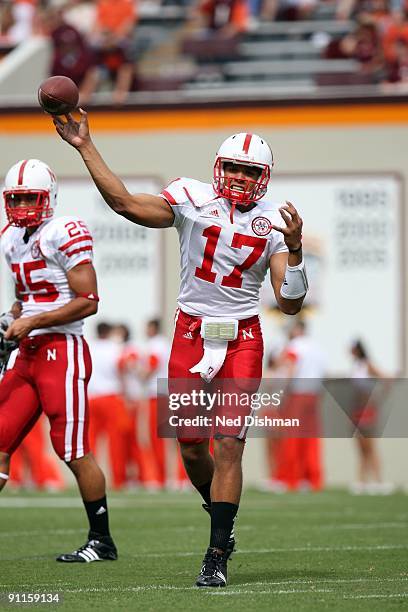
x=30 y=214
x=250 y=190
x=30 y=193
x=249 y=151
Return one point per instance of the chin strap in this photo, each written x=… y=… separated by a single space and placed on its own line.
x=233 y=205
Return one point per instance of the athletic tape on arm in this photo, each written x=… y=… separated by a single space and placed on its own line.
x=295 y=283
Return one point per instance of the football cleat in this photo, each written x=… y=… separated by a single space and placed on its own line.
x=231 y=542
x=97 y=548
x=214 y=570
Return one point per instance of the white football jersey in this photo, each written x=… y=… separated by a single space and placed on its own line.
x=156 y=354
x=105 y=378
x=40 y=263
x=223 y=264
x=309 y=361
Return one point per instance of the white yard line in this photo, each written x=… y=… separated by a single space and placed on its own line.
x=317 y=581
x=263 y=551
x=269 y=592
x=195 y=528
x=235 y=589
x=374 y=596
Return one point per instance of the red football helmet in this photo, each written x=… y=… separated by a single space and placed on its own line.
x=35 y=180
x=244 y=149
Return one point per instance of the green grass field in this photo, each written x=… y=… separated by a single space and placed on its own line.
x=328 y=551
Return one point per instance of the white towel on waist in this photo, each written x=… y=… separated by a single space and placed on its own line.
x=212 y=360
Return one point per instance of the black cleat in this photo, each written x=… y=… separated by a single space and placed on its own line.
x=97 y=548
x=214 y=570
x=231 y=542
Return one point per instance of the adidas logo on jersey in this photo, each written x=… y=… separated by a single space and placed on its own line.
x=188 y=336
x=214 y=212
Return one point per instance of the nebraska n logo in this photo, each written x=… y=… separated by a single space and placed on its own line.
x=52 y=354
x=247 y=334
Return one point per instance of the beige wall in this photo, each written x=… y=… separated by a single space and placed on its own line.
x=169 y=153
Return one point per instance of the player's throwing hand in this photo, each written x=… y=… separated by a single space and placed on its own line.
x=76 y=133
x=292 y=233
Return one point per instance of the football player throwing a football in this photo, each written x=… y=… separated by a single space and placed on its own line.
x=51 y=263
x=230 y=235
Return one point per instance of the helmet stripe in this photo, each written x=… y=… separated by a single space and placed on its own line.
x=247 y=142
x=21 y=172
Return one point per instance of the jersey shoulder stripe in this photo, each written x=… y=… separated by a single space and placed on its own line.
x=80 y=250
x=68 y=244
x=189 y=192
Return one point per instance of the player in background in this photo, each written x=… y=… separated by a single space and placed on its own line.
x=299 y=459
x=274 y=372
x=138 y=462
x=51 y=262
x=230 y=236
x=108 y=416
x=32 y=466
x=156 y=352
x=364 y=416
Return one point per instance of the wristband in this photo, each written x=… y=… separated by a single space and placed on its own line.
x=4 y=476
x=295 y=283
x=89 y=296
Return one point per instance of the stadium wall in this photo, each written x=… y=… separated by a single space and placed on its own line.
x=170 y=143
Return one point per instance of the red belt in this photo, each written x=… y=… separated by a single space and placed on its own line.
x=195 y=322
x=33 y=343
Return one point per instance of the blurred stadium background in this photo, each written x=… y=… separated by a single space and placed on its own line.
x=325 y=82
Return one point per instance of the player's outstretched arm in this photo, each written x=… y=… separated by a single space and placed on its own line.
x=144 y=209
x=82 y=281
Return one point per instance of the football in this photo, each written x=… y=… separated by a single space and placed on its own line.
x=58 y=95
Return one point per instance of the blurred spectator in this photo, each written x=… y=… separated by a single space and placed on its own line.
x=299 y=462
x=33 y=466
x=364 y=417
x=108 y=416
x=17 y=21
x=140 y=459
x=366 y=9
x=378 y=13
x=72 y=56
x=296 y=10
x=112 y=37
x=363 y=45
x=395 y=43
x=220 y=18
x=397 y=69
x=81 y=15
x=6 y=22
x=228 y=18
x=215 y=28
x=155 y=364
x=283 y=10
x=274 y=374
